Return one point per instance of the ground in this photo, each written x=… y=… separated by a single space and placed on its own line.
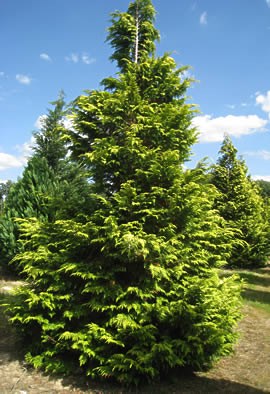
x=247 y=371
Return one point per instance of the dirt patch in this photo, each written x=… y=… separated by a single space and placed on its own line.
x=247 y=371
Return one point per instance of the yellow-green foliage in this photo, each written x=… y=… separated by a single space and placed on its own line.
x=239 y=202
x=120 y=313
x=130 y=290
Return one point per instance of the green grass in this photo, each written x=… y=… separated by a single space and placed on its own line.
x=256 y=288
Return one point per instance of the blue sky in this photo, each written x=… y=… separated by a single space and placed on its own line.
x=51 y=45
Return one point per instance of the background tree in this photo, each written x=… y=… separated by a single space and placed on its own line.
x=240 y=204
x=26 y=198
x=130 y=289
x=49 y=179
x=4 y=189
x=264 y=188
x=49 y=141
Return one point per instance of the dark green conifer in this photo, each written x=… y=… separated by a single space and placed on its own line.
x=48 y=179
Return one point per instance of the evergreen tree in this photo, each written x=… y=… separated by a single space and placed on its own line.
x=264 y=188
x=240 y=204
x=4 y=189
x=130 y=290
x=49 y=141
x=26 y=198
x=49 y=179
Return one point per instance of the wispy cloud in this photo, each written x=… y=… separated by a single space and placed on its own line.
x=45 y=56
x=2 y=74
x=25 y=150
x=86 y=59
x=40 y=121
x=213 y=129
x=261 y=177
x=268 y=3
x=73 y=57
x=264 y=100
x=263 y=154
x=66 y=122
x=203 y=18
x=76 y=58
x=23 y=79
x=9 y=161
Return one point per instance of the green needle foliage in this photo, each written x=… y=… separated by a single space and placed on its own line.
x=264 y=188
x=48 y=180
x=129 y=290
x=26 y=198
x=4 y=190
x=240 y=203
x=49 y=141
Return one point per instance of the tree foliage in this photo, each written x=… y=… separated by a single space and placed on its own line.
x=132 y=34
x=49 y=140
x=129 y=289
x=4 y=190
x=51 y=185
x=240 y=204
x=264 y=188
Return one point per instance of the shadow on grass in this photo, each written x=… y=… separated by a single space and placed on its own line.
x=254 y=279
x=256 y=296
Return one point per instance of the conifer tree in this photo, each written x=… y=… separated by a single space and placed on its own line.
x=28 y=196
x=264 y=187
x=241 y=205
x=130 y=290
x=4 y=189
x=49 y=140
x=48 y=179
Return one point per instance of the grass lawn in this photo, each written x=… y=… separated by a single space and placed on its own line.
x=257 y=288
x=250 y=364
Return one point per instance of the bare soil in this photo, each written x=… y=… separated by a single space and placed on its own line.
x=247 y=371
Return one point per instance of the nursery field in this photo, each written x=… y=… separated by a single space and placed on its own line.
x=246 y=371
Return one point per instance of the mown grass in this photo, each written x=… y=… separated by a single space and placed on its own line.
x=256 y=286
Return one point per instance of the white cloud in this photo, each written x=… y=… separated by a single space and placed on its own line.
x=263 y=154
x=23 y=79
x=2 y=74
x=203 y=18
x=39 y=122
x=213 y=129
x=76 y=58
x=9 y=161
x=187 y=74
x=25 y=150
x=261 y=177
x=87 y=59
x=73 y=57
x=67 y=122
x=45 y=56
x=264 y=100
x=268 y=3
